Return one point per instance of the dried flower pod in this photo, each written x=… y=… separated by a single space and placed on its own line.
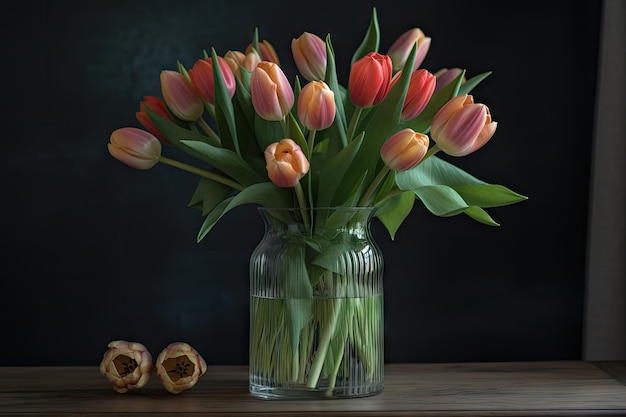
x=179 y=366
x=127 y=365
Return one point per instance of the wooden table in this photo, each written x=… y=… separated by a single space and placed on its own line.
x=559 y=388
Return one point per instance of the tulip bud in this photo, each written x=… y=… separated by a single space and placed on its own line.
x=445 y=76
x=316 y=106
x=461 y=126
x=370 y=80
x=179 y=366
x=267 y=51
x=401 y=48
x=309 y=54
x=202 y=78
x=156 y=105
x=286 y=163
x=404 y=149
x=127 y=365
x=272 y=96
x=421 y=88
x=135 y=147
x=236 y=59
x=180 y=96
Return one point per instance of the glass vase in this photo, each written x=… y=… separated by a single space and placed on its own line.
x=316 y=305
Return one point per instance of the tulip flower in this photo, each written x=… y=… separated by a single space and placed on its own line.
x=272 y=96
x=309 y=54
x=156 y=105
x=180 y=96
x=445 y=76
x=135 y=147
x=370 y=80
x=267 y=51
x=421 y=89
x=202 y=78
x=316 y=106
x=179 y=366
x=401 y=48
x=237 y=59
x=461 y=126
x=286 y=163
x=127 y=365
x=404 y=149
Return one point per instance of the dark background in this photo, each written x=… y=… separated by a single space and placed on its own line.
x=95 y=251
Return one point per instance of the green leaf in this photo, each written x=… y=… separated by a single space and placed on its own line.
x=175 y=133
x=264 y=194
x=267 y=132
x=224 y=113
x=332 y=173
x=208 y=195
x=480 y=215
x=434 y=171
x=371 y=40
x=469 y=85
x=337 y=131
x=393 y=211
x=441 y=200
x=488 y=195
x=227 y=161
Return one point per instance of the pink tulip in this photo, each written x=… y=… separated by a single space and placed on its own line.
x=202 y=78
x=180 y=96
x=461 y=126
x=421 y=88
x=309 y=54
x=286 y=163
x=267 y=51
x=179 y=366
x=126 y=365
x=135 y=147
x=316 y=106
x=401 y=48
x=156 y=105
x=445 y=76
x=404 y=149
x=370 y=80
x=272 y=96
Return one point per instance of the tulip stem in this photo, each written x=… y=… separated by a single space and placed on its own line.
x=367 y=196
x=303 y=205
x=203 y=173
x=210 y=132
x=353 y=122
x=433 y=150
x=311 y=143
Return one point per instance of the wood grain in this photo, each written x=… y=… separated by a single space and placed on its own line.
x=560 y=388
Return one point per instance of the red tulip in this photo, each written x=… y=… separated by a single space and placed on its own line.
x=370 y=80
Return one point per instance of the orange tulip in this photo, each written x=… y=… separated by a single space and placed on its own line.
x=180 y=96
x=404 y=149
x=236 y=59
x=370 y=80
x=179 y=366
x=316 y=106
x=156 y=105
x=135 y=147
x=202 y=78
x=421 y=89
x=461 y=126
x=127 y=365
x=286 y=163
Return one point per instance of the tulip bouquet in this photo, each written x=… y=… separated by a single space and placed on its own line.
x=314 y=142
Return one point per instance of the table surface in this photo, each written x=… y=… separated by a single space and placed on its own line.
x=546 y=388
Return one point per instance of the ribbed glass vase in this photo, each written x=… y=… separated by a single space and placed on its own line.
x=316 y=305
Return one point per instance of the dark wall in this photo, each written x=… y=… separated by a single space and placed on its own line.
x=94 y=250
